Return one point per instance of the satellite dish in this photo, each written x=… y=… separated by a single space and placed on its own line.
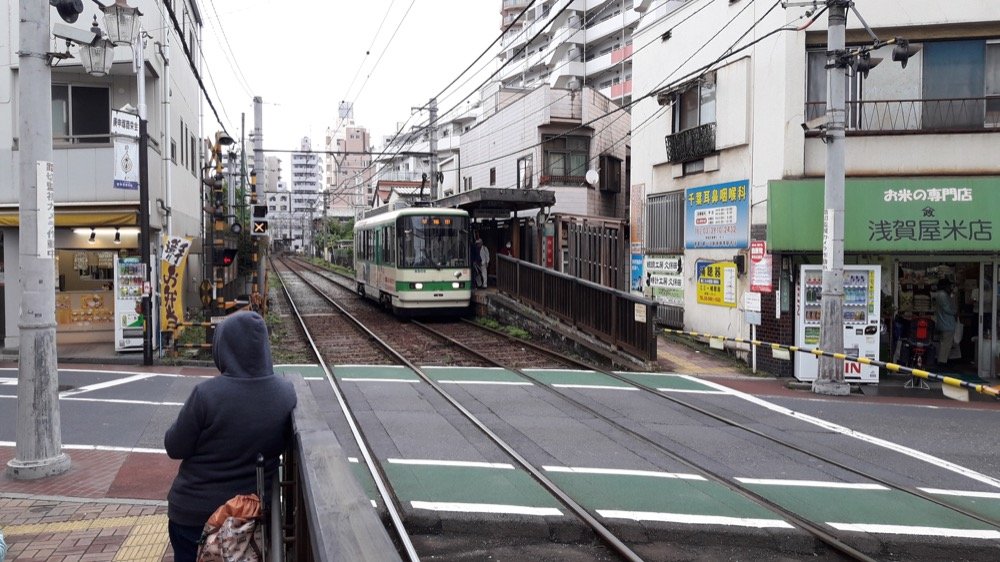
x=592 y=177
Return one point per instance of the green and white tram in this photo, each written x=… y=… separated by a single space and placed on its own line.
x=415 y=260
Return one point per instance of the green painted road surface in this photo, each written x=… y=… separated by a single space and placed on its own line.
x=308 y=371
x=474 y=375
x=984 y=504
x=870 y=508
x=666 y=382
x=569 y=378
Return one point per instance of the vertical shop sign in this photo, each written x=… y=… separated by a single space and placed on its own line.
x=173 y=263
x=46 y=205
x=717 y=216
x=125 y=129
x=666 y=285
x=637 y=210
x=760 y=267
x=716 y=283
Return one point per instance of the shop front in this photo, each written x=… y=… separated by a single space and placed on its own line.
x=932 y=247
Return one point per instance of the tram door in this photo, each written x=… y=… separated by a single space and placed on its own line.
x=987 y=348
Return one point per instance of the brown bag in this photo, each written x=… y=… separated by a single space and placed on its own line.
x=233 y=533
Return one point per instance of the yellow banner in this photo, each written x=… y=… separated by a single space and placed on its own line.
x=716 y=283
x=173 y=262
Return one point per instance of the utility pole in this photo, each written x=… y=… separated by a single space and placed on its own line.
x=39 y=442
x=258 y=168
x=830 y=378
x=433 y=106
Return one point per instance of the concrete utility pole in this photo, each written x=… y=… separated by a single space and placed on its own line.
x=39 y=442
x=258 y=167
x=433 y=106
x=830 y=378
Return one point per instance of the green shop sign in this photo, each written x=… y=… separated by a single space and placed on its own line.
x=890 y=215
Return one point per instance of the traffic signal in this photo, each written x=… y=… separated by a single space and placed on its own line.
x=218 y=203
x=259 y=223
x=223 y=257
x=68 y=10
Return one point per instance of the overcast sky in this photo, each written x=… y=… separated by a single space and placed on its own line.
x=304 y=56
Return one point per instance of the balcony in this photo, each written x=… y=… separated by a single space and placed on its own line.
x=957 y=115
x=691 y=144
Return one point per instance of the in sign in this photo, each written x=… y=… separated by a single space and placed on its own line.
x=757 y=250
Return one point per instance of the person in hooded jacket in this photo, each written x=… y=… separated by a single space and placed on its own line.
x=222 y=426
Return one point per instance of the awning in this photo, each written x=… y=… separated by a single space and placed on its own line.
x=69 y=217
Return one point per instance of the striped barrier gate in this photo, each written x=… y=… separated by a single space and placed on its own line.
x=894 y=367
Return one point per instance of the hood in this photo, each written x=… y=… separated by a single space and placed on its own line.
x=241 y=347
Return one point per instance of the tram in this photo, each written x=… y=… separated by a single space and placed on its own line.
x=415 y=260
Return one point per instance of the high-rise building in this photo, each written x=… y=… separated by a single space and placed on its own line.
x=306 y=200
x=349 y=167
x=587 y=44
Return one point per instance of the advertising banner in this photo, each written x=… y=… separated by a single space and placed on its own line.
x=666 y=283
x=717 y=216
x=716 y=283
x=760 y=267
x=173 y=263
x=126 y=164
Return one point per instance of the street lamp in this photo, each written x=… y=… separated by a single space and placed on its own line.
x=98 y=56
x=122 y=22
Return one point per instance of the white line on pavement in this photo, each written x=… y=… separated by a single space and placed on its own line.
x=109 y=401
x=915 y=530
x=486 y=508
x=622 y=472
x=694 y=519
x=963 y=493
x=835 y=428
x=691 y=391
x=105 y=384
x=435 y=462
x=352 y=379
x=812 y=484
x=594 y=386
x=502 y=383
x=99 y=448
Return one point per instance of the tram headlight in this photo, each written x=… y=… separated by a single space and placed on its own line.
x=456 y=285
x=418 y=286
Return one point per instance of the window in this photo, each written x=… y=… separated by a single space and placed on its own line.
x=565 y=158
x=173 y=151
x=493 y=177
x=695 y=105
x=194 y=158
x=524 y=172
x=81 y=114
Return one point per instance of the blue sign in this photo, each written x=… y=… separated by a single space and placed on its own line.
x=717 y=216
x=637 y=266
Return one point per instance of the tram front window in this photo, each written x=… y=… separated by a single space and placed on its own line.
x=434 y=241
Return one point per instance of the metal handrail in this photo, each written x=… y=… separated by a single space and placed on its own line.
x=917 y=115
x=619 y=319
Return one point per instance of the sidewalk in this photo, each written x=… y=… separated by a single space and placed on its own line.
x=109 y=506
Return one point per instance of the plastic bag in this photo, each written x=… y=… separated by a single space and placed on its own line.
x=959 y=332
x=233 y=533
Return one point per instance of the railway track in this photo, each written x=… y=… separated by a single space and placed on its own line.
x=468 y=345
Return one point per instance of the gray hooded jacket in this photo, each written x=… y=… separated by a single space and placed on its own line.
x=226 y=421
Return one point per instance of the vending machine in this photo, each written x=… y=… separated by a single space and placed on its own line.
x=130 y=273
x=862 y=320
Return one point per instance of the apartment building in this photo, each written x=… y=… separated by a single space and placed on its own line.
x=735 y=155
x=305 y=198
x=348 y=164
x=96 y=218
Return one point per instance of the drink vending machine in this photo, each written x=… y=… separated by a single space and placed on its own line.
x=862 y=320
x=129 y=276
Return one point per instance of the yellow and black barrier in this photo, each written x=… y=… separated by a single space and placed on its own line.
x=894 y=367
x=173 y=339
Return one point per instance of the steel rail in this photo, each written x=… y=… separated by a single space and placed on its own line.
x=602 y=531
x=378 y=475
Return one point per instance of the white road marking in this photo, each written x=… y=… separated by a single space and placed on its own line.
x=577 y=371
x=8 y=381
x=627 y=373
x=812 y=484
x=914 y=530
x=105 y=384
x=99 y=372
x=501 y=383
x=622 y=472
x=486 y=508
x=694 y=519
x=594 y=386
x=835 y=428
x=351 y=379
x=691 y=391
x=380 y=367
x=963 y=493
x=443 y=367
x=352 y=459
x=109 y=401
x=435 y=462
x=99 y=448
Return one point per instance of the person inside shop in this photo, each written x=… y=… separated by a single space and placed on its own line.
x=945 y=318
x=505 y=251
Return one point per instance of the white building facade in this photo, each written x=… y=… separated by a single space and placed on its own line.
x=921 y=162
x=95 y=218
x=305 y=197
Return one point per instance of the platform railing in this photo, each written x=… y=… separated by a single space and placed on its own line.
x=619 y=319
x=325 y=515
